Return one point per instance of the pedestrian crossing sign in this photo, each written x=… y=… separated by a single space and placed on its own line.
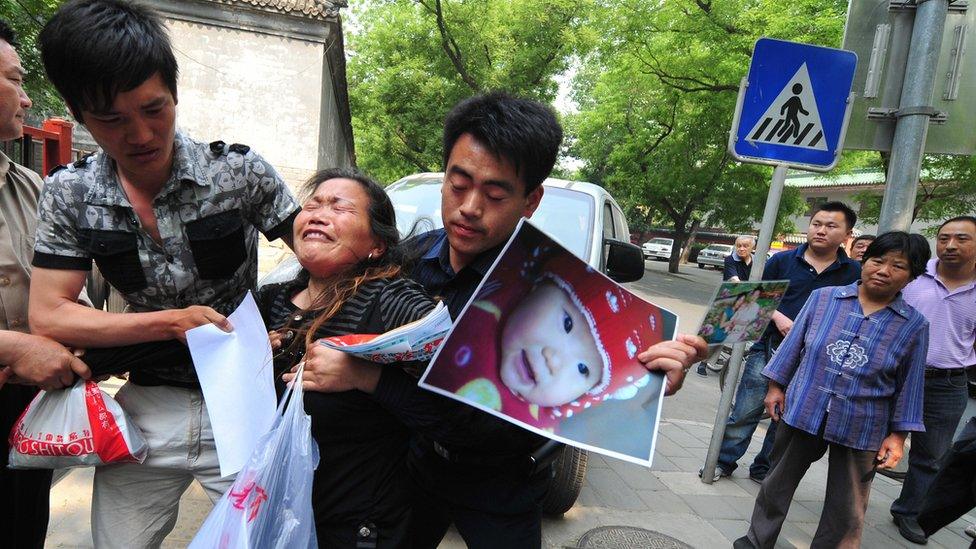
x=794 y=105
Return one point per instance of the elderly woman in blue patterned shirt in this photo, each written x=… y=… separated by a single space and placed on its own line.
x=848 y=378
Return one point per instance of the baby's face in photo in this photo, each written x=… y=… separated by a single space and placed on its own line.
x=549 y=355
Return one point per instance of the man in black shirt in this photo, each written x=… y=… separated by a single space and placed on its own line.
x=471 y=468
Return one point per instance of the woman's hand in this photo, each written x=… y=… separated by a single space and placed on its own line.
x=276 y=338
x=775 y=400
x=674 y=358
x=892 y=448
x=331 y=371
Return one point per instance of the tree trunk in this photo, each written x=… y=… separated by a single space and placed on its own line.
x=680 y=235
x=695 y=225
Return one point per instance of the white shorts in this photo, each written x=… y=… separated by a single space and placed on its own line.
x=136 y=505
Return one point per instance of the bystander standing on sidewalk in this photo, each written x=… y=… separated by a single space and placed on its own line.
x=738 y=265
x=859 y=245
x=819 y=263
x=946 y=295
x=848 y=379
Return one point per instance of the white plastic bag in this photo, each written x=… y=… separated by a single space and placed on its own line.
x=270 y=503
x=79 y=426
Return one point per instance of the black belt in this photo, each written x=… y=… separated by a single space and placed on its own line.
x=539 y=459
x=944 y=372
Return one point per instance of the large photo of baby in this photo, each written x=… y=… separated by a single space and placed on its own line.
x=741 y=311
x=547 y=341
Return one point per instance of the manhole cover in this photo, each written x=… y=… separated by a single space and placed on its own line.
x=628 y=537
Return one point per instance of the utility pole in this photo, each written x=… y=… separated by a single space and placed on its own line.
x=738 y=350
x=914 y=113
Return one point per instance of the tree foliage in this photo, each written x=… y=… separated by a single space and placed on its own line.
x=946 y=188
x=656 y=102
x=411 y=61
x=27 y=17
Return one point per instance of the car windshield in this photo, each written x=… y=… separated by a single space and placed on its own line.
x=663 y=241
x=721 y=249
x=565 y=214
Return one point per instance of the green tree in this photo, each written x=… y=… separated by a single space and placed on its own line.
x=946 y=188
x=409 y=62
x=656 y=101
x=27 y=17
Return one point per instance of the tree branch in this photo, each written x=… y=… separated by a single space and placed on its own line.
x=449 y=45
x=411 y=153
x=686 y=84
x=706 y=8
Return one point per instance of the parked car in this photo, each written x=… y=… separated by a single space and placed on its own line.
x=581 y=216
x=714 y=255
x=658 y=248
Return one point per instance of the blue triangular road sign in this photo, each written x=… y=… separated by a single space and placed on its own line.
x=795 y=106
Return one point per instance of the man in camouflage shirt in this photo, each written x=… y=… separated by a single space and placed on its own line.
x=172 y=224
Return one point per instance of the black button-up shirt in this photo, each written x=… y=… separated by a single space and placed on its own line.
x=462 y=429
x=434 y=272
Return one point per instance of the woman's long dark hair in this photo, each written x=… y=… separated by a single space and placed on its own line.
x=340 y=287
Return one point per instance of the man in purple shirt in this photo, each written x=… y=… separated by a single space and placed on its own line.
x=848 y=378
x=946 y=295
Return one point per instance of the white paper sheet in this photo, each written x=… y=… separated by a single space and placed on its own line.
x=236 y=375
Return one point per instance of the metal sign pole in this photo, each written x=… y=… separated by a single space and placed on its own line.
x=913 y=114
x=738 y=350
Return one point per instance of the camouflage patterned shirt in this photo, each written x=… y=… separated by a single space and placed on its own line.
x=207 y=214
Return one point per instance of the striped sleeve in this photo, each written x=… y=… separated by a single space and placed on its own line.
x=403 y=301
x=910 y=383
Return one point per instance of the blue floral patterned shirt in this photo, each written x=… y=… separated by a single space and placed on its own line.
x=863 y=375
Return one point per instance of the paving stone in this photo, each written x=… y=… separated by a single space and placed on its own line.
x=742 y=506
x=889 y=529
x=689 y=464
x=799 y=513
x=949 y=538
x=875 y=537
x=808 y=492
x=877 y=514
x=809 y=528
x=663 y=464
x=637 y=477
x=730 y=528
x=792 y=536
x=683 y=483
x=596 y=460
x=815 y=507
x=711 y=507
x=959 y=527
x=886 y=488
x=881 y=500
x=670 y=448
x=747 y=484
x=613 y=492
x=588 y=497
x=664 y=501
x=684 y=439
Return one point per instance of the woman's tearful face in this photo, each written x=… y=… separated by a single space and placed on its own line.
x=332 y=232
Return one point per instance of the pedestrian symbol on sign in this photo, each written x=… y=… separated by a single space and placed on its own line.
x=792 y=119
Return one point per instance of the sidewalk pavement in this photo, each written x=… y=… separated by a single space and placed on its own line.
x=668 y=498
